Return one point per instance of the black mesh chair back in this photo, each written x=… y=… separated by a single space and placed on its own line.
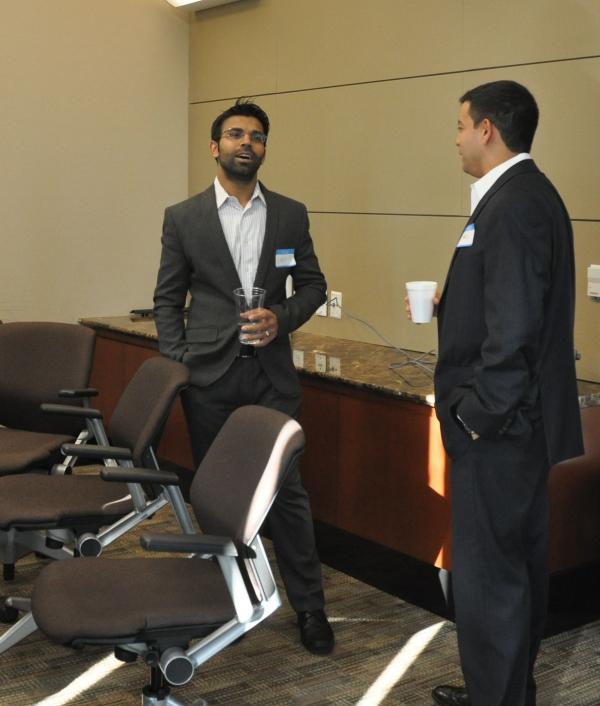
x=239 y=477
x=37 y=359
x=144 y=406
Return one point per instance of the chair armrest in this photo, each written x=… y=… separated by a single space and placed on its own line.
x=189 y=544
x=96 y=452
x=71 y=410
x=139 y=475
x=79 y=393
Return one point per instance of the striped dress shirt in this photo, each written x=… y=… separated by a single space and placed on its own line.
x=244 y=229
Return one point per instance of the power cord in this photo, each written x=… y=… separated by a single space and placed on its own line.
x=428 y=366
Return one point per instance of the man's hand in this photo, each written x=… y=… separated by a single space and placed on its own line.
x=262 y=327
x=436 y=301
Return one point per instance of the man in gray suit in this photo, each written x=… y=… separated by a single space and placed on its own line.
x=238 y=233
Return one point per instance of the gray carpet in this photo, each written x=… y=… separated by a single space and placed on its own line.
x=388 y=652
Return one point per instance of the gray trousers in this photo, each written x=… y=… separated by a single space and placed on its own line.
x=289 y=522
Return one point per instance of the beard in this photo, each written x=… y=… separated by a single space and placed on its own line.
x=238 y=170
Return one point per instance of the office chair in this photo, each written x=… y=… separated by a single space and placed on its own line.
x=176 y=613
x=61 y=515
x=37 y=360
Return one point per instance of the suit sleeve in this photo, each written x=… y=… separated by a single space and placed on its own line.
x=310 y=287
x=517 y=273
x=171 y=291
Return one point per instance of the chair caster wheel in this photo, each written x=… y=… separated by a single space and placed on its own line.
x=8 y=614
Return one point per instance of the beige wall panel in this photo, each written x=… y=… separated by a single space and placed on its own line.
x=333 y=42
x=259 y=46
x=565 y=147
x=587 y=315
x=93 y=145
x=234 y=50
x=369 y=259
x=383 y=148
x=290 y=45
x=518 y=31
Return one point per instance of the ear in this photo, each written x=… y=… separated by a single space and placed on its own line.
x=214 y=148
x=487 y=128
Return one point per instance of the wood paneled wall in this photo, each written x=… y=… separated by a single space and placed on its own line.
x=363 y=99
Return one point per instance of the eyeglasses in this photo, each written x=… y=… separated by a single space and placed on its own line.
x=236 y=133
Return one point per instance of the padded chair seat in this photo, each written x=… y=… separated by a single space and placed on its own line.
x=75 y=601
x=33 y=501
x=20 y=449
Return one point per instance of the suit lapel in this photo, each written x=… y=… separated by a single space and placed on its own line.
x=523 y=167
x=527 y=165
x=269 y=241
x=217 y=237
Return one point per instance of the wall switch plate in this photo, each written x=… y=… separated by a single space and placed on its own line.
x=335 y=305
x=298 y=358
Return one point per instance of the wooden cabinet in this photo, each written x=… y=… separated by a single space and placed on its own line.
x=375 y=466
x=116 y=359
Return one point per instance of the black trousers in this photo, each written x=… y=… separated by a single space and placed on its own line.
x=499 y=559
x=290 y=520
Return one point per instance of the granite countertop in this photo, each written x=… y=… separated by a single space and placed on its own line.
x=402 y=374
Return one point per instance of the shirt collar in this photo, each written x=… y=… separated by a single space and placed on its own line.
x=222 y=195
x=483 y=185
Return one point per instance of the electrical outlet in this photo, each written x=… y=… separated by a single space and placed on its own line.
x=298 y=358
x=334 y=365
x=593 y=288
x=320 y=362
x=335 y=305
x=322 y=310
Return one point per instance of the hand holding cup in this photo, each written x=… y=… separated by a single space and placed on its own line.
x=421 y=301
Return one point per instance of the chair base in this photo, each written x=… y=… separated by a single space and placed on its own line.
x=8 y=614
x=162 y=697
x=19 y=631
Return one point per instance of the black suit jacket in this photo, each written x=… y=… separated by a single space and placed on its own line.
x=196 y=259
x=505 y=322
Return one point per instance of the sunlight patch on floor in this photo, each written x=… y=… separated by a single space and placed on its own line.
x=85 y=681
x=399 y=665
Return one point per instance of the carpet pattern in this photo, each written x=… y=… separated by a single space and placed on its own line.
x=388 y=652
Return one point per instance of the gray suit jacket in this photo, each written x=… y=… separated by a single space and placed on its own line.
x=505 y=321
x=196 y=259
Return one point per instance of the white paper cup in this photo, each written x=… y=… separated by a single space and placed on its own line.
x=246 y=299
x=420 y=298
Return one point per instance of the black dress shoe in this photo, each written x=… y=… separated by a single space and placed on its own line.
x=315 y=632
x=450 y=696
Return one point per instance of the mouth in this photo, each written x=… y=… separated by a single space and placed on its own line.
x=245 y=156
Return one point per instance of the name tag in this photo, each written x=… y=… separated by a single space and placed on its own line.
x=466 y=239
x=284 y=257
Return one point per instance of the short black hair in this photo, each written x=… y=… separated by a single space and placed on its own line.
x=242 y=106
x=510 y=107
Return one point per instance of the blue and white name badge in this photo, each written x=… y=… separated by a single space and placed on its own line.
x=466 y=239
x=284 y=257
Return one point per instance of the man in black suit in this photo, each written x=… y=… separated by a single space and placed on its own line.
x=506 y=394
x=238 y=233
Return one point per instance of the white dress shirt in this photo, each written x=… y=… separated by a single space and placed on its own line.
x=483 y=185
x=244 y=229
